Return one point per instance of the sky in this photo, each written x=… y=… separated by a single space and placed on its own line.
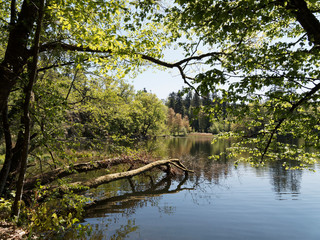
x=163 y=82
x=160 y=82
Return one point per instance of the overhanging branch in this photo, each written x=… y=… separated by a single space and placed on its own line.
x=289 y=112
x=178 y=64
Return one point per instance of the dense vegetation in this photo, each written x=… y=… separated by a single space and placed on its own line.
x=62 y=65
x=196 y=109
x=263 y=61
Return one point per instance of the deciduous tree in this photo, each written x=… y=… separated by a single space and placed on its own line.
x=113 y=37
x=261 y=55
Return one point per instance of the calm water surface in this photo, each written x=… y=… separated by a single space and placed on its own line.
x=218 y=201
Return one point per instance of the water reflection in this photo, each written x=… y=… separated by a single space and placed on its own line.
x=127 y=203
x=194 y=152
x=286 y=183
x=146 y=207
x=122 y=206
x=121 y=233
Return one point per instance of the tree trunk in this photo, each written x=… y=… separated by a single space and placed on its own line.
x=59 y=173
x=8 y=158
x=11 y=67
x=160 y=188
x=307 y=20
x=28 y=92
x=117 y=176
x=16 y=54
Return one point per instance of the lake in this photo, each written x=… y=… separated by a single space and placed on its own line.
x=218 y=201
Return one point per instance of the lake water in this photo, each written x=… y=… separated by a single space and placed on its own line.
x=218 y=201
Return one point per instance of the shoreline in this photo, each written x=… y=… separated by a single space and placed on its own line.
x=200 y=134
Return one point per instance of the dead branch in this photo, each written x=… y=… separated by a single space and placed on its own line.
x=117 y=176
x=58 y=173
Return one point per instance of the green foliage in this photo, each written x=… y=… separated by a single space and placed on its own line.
x=148 y=114
x=50 y=217
x=264 y=66
x=55 y=215
x=86 y=50
x=88 y=112
x=5 y=208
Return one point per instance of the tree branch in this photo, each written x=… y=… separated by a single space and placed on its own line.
x=117 y=176
x=307 y=20
x=135 y=196
x=64 y=46
x=58 y=173
x=69 y=47
x=71 y=85
x=289 y=112
x=58 y=65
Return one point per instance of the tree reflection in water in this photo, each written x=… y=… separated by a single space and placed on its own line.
x=119 y=209
x=286 y=183
x=119 y=234
x=127 y=203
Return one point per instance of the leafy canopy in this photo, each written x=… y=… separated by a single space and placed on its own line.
x=263 y=61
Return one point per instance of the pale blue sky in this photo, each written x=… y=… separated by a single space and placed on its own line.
x=160 y=82
x=164 y=81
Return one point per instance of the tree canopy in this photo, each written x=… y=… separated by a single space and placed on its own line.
x=51 y=53
x=62 y=64
x=262 y=59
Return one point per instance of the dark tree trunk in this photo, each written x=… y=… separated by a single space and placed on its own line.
x=26 y=117
x=11 y=67
x=17 y=53
x=307 y=20
x=8 y=158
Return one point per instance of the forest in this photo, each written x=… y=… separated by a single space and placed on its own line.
x=251 y=73
x=196 y=109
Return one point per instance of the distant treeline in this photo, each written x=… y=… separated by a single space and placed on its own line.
x=197 y=109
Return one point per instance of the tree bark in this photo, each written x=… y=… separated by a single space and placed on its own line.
x=12 y=66
x=117 y=176
x=8 y=158
x=28 y=92
x=160 y=188
x=58 y=173
x=307 y=20
x=17 y=53
x=78 y=187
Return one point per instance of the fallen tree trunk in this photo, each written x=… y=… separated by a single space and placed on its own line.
x=117 y=176
x=77 y=187
x=58 y=173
